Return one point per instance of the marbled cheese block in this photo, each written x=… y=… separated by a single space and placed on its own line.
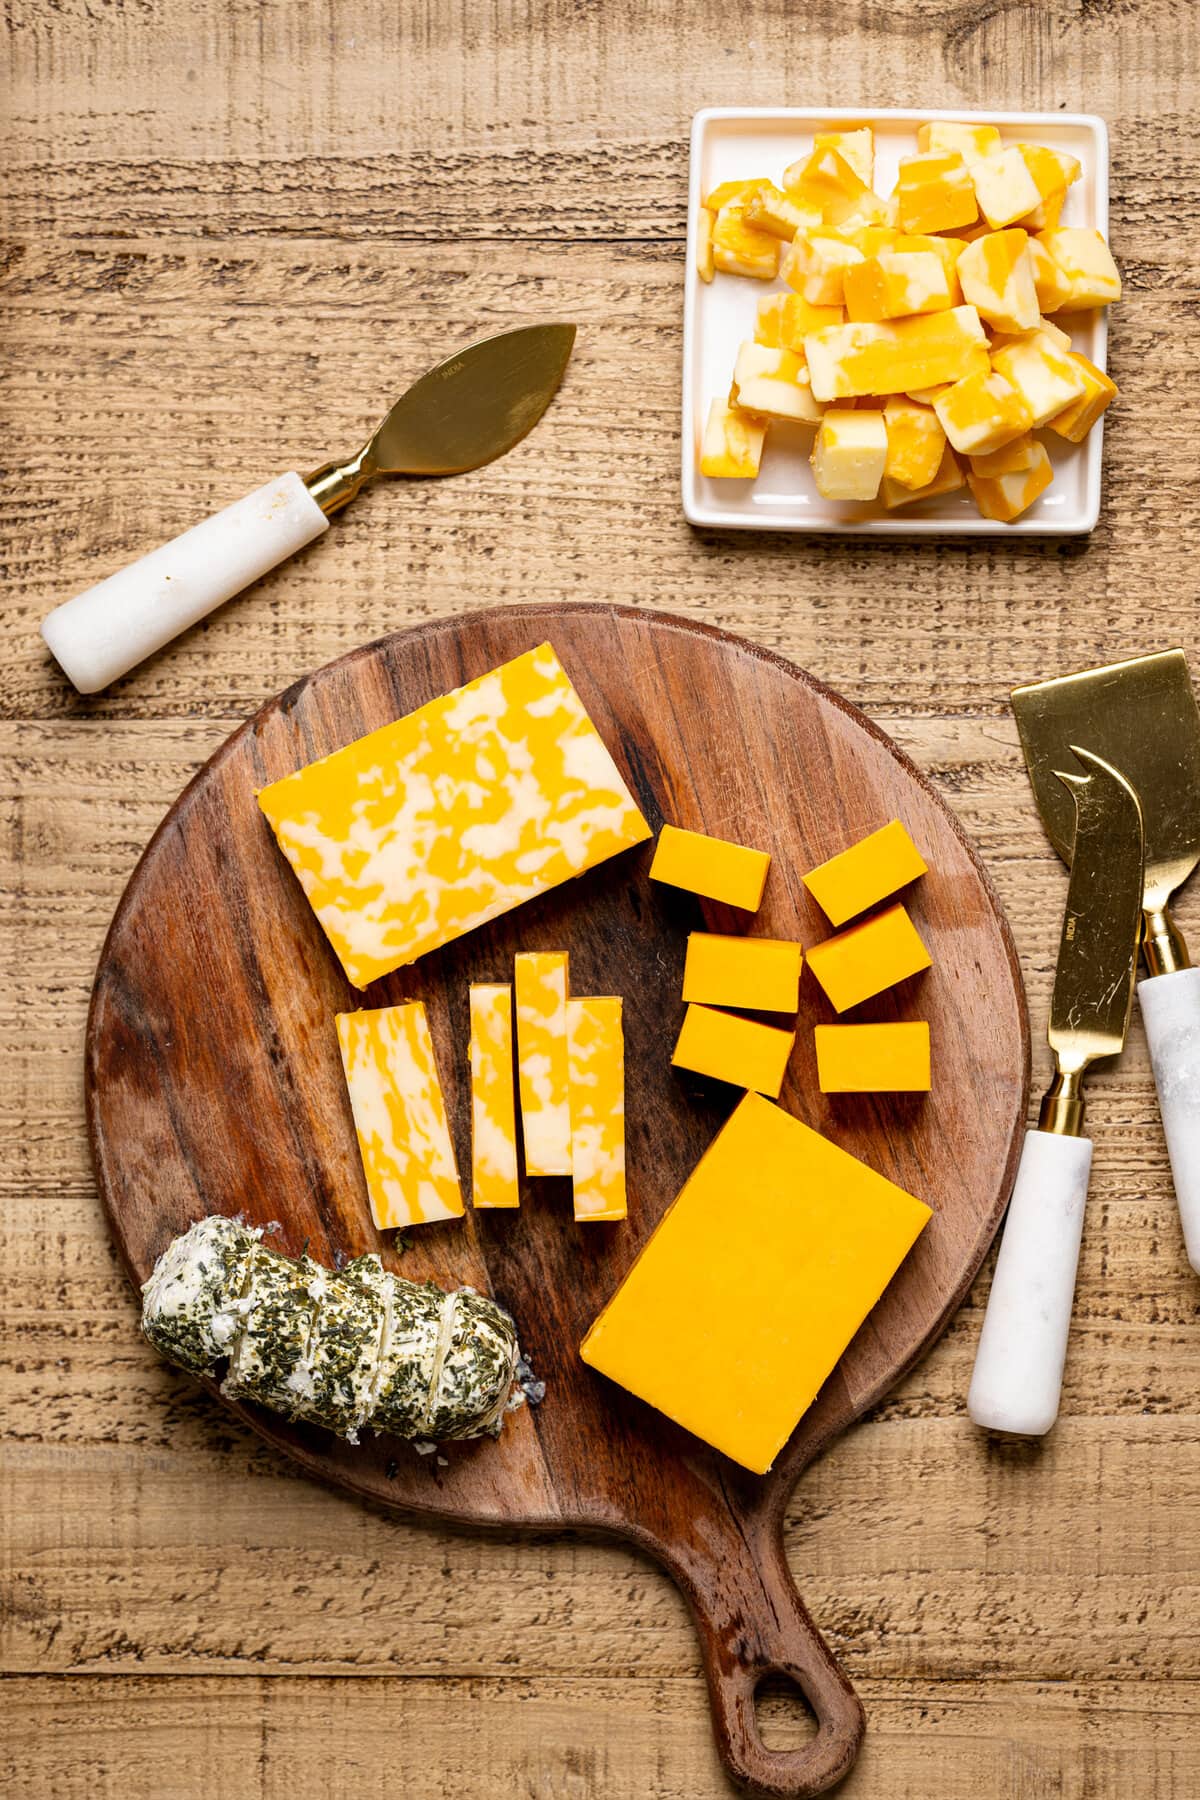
x=542 y=986
x=435 y=824
x=493 y=1103
x=399 y=1115
x=596 y=1051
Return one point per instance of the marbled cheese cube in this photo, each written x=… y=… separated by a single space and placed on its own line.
x=1085 y=263
x=916 y=442
x=1053 y=171
x=996 y=273
x=1053 y=288
x=895 y=284
x=1012 y=459
x=1076 y=420
x=972 y=142
x=1047 y=215
x=1056 y=334
x=742 y=190
x=935 y=192
x=949 y=249
x=856 y=147
x=816 y=267
x=705 y=220
x=845 y=361
x=826 y=180
x=732 y=446
x=1004 y=187
x=784 y=321
x=774 y=384
x=1006 y=497
x=948 y=478
x=770 y=209
x=741 y=249
x=982 y=412
x=1046 y=377
x=849 y=454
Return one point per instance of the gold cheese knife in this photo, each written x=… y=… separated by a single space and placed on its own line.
x=1141 y=716
x=1017 y=1378
x=467 y=411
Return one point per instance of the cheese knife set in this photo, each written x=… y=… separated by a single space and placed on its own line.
x=446 y=806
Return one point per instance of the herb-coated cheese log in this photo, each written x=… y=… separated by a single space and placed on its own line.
x=362 y=1347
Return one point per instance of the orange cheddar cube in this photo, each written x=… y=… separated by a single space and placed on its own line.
x=865 y=959
x=873 y=1059
x=743 y=1052
x=915 y=443
x=935 y=192
x=755 y=974
x=846 y=361
x=866 y=873
x=1006 y=497
x=816 y=267
x=784 y=321
x=849 y=453
x=1046 y=377
x=826 y=180
x=982 y=412
x=741 y=249
x=896 y=283
x=856 y=147
x=947 y=480
x=711 y=867
x=1076 y=420
x=1005 y=188
x=996 y=274
x=732 y=446
x=1086 y=266
x=705 y=267
x=972 y=142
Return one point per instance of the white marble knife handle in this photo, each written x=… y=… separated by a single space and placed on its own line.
x=1171 y=1013
x=1018 y=1372
x=102 y=633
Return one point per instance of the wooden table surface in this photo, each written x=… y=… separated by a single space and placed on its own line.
x=234 y=228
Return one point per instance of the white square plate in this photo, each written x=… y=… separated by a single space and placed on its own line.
x=728 y=144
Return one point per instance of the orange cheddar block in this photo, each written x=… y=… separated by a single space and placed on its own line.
x=769 y=209
x=826 y=180
x=856 y=147
x=1006 y=497
x=711 y=867
x=596 y=1048
x=732 y=446
x=972 y=142
x=873 y=1059
x=865 y=959
x=1005 y=187
x=543 y=1072
x=1046 y=377
x=399 y=1115
x=896 y=283
x=846 y=361
x=743 y=1052
x=996 y=275
x=754 y=1282
x=755 y=974
x=948 y=479
x=866 y=873
x=493 y=1103
x=916 y=443
x=705 y=266
x=1086 y=266
x=982 y=412
x=773 y=384
x=935 y=191
x=1076 y=420
x=739 y=248
x=1012 y=459
x=784 y=320
x=816 y=267
x=849 y=453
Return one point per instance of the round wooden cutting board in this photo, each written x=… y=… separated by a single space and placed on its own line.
x=214 y=1085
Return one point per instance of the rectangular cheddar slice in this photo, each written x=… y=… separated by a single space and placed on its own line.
x=444 y=819
x=724 y=1047
x=596 y=1050
x=399 y=1115
x=873 y=1059
x=493 y=1104
x=711 y=867
x=756 y=974
x=754 y=1282
x=864 y=959
x=542 y=1064
x=865 y=873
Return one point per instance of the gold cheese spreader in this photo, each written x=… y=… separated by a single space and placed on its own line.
x=1141 y=717
x=467 y=411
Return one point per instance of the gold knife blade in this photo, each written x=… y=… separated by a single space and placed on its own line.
x=466 y=411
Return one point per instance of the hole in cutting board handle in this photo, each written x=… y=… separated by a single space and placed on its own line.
x=782 y=1712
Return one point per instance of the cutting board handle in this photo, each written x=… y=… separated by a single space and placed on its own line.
x=752 y=1623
